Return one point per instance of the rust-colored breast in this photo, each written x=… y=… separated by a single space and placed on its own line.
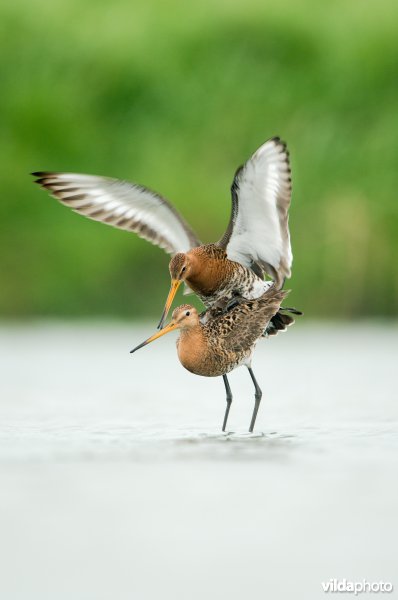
x=191 y=348
x=207 y=356
x=211 y=269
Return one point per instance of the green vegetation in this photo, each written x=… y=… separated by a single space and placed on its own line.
x=175 y=96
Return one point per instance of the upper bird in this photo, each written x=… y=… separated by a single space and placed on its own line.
x=255 y=243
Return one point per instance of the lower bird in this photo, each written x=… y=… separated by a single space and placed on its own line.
x=223 y=342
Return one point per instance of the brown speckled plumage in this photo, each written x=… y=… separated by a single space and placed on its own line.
x=225 y=341
x=228 y=340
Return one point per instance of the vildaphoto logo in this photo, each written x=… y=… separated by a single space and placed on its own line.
x=357 y=587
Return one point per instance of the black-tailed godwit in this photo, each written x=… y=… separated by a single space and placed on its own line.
x=224 y=342
x=256 y=242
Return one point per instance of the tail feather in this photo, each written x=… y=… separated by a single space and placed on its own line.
x=294 y=311
x=281 y=321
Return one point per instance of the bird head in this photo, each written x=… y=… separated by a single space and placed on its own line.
x=183 y=317
x=180 y=268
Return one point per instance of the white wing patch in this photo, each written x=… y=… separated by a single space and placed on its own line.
x=124 y=205
x=259 y=231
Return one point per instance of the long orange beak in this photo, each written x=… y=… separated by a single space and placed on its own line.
x=170 y=327
x=175 y=284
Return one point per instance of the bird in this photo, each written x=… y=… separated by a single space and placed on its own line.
x=226 y=341
x=256 y=243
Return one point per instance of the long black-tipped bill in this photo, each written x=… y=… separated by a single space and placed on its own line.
x=175 y=284
x=139 y=346
x=170 y=327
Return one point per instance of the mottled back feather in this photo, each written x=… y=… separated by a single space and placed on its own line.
x=245 y=323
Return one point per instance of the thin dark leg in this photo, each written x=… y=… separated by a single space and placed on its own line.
x=229 y=401
x=258 y=394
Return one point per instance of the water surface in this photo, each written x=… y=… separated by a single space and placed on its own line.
x=116 y=481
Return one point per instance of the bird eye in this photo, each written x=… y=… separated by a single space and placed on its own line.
x=187 y=313
x=183 y=269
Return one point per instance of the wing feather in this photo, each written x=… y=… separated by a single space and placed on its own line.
x=123 y=205
x=258 y=230
x=244 y=324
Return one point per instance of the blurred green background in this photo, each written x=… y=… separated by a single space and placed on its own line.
x=175 y=95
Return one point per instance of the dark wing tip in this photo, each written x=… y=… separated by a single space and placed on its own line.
x=283 y=149
x=42 y=174
x=281 y=143
x=275 y=139
x=47 y=173
x=40 y=177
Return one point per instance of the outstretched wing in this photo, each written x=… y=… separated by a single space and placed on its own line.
x=124 y=205
x=258 y=231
